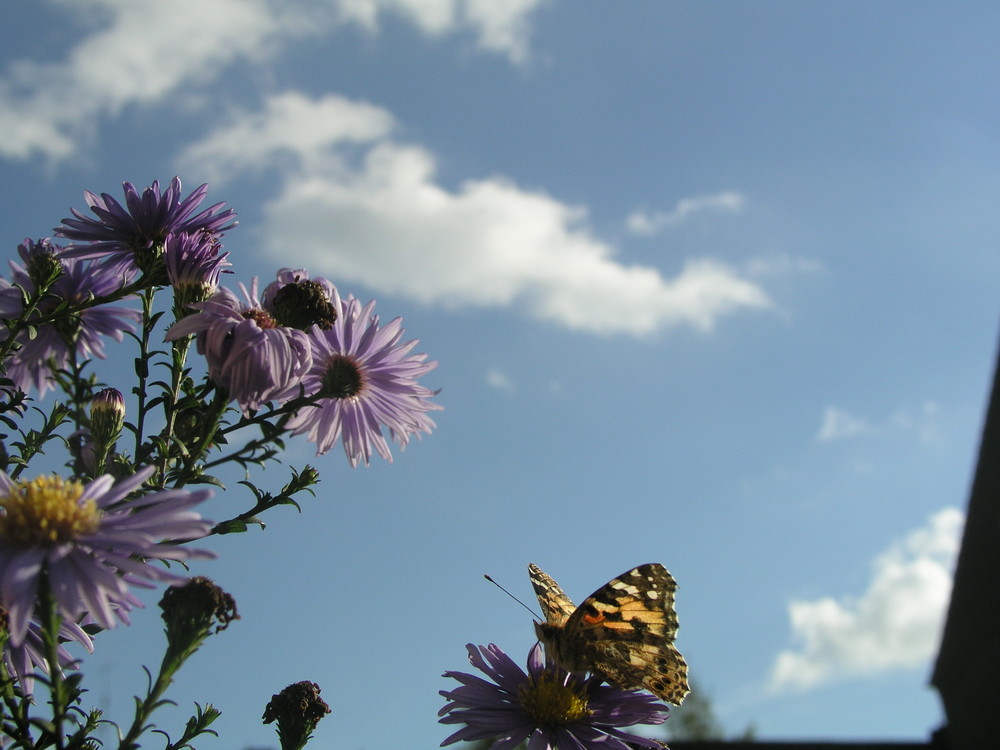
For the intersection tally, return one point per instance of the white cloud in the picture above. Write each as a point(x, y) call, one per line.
point(839, 424)
point(895, 624)
point(643, 222)
point(383, 221)
point(496, 378)
point(291, 126)
point(143, 53)
point(391, 227)
point(500, 26)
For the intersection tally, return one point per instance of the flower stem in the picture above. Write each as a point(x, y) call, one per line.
point(179, 352)
point(210, 428)
point(153, 700)
point(58, 690)
point(142, 369)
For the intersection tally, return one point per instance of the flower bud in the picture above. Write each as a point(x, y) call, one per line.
point(107, 415)
point(41, 262)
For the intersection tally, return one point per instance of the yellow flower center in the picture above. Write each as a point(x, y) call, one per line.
point(551, 703)
point(46, 512)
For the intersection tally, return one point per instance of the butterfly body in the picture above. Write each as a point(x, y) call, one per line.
point(624, 631)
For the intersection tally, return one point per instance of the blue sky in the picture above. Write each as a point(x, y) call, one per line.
point(710, 284)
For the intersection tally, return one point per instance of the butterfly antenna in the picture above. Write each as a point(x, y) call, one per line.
point(533, 614)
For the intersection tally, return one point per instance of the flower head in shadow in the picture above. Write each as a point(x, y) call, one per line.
point(51, 345)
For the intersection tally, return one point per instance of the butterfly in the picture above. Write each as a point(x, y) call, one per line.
point(623, 632)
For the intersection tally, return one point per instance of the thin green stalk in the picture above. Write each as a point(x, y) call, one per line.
point(35, 440)
point(172, 661)
point(210, 428)
point(145, 709)
point(79, 396)
point(179, 351)
point(25, 320)
point(142, 369)
point(283, 413)
point(58, 691)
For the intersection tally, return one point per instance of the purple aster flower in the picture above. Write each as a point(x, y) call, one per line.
point(91, 542)
point(28, 658)
point(248, 354)
point(80, 334)
point(194, 267)
point(132, 236)
point(362, 378)
point(547, 706)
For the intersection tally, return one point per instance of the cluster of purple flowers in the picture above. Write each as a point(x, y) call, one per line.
point(69, 549)
point(154, 234)
point(323, 360)
point(299, 341)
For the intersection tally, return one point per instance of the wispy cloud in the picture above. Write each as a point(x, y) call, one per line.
point(145, 53)
point(839, 424)
point(782, 264)
point(382, 220)
point(895, 624)
point(501, 381)
point(647, 223)
point(921, 422)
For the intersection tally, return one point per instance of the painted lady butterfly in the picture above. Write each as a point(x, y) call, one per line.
point(624, 631)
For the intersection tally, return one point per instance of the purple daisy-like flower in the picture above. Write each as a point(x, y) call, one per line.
point(132, 236)
point(195, 260)
point(81, 333)
point(194, 266)
point(248, 354)
point(362, 378)
point(547, 706)
point(28, 658)
point(91, 543)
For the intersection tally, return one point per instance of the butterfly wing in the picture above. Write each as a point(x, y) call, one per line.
point(625, 631)
point(556, 606)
